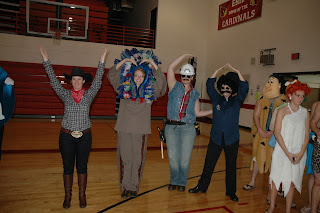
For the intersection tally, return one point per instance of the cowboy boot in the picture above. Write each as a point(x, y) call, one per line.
point(82, 183)
point(68, 181)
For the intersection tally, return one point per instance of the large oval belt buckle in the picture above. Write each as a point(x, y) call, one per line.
point(76, 134)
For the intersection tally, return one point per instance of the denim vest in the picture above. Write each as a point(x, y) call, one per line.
point(174, 102)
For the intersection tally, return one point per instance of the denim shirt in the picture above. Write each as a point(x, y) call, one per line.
point(174, 102)
point(225, 116)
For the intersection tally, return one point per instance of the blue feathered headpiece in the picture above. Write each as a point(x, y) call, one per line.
point(128, 89)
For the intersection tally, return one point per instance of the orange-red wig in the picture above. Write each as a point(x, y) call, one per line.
point(295, 86)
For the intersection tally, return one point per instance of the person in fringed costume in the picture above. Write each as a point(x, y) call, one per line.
point(7, 100)
point(138, 81)
point(272, 97)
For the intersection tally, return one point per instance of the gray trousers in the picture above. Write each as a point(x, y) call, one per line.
point(132, 150)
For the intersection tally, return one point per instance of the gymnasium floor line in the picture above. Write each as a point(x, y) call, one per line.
point(160, 187)
point(41, 151)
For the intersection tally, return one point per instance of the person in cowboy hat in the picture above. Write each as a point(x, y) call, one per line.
point(75, 136)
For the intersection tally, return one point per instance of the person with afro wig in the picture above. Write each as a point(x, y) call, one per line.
point(226, 101)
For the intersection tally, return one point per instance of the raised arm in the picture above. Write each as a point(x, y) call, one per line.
point(96, 84)
point(55, 83)
point(170, 75)
point(44, 54)
point(119, 65)
point(200, 113)
point(149, 61)
point(214, 75)
point(237, 71)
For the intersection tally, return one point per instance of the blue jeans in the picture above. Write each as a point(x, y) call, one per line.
point(180, 140)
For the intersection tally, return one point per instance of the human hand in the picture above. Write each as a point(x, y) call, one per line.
point(146, 60)
point(9, 81)
point(297, 157)
point(232, 68)
point(189, 55)
point(221, 68)
point(44, 53)
point(291, 157)
point(265, 134)
point(103, 54)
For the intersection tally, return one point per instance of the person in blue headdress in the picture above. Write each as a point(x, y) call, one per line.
point(7, 100)
point(138, 81)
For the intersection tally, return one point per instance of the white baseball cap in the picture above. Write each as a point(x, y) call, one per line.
point(187, 69)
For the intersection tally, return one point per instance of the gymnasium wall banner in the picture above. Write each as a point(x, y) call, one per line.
point(234, 12)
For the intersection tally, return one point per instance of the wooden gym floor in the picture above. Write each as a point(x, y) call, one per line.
point(31, 174)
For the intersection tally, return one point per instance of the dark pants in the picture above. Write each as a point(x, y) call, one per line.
point(1, 136)
point(213, 154)
point(75, 149)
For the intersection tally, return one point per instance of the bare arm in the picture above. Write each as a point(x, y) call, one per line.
point(256, 118)
point(214, 75)
point(306, 141)
point(103, 54)
point(277, 132)
point(237, 71)
point(119, 65)
point(44, 54)
point(200, 113)
point(171, 79)
point(315, 119)
point(150, 61)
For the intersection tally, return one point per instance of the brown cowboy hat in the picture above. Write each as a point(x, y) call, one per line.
point(77, 71)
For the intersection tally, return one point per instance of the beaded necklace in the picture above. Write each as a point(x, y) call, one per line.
point(297, 112)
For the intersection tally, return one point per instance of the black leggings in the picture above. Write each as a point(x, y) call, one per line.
point(75, 149)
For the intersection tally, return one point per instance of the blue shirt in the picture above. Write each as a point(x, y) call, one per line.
point(174, 102)
point(225, 116)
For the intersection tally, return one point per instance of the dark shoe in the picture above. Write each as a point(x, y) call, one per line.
point(172, 187)
point(68, 182)
point(233, 197)
point(269, 202)
point(181, 188)
point(133, 194)
point(196, 190)
point(248, 187)
point(82, 183)
point(125, 194)
point(280, 193)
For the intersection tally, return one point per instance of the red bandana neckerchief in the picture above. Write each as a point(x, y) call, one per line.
point(77, 95)
point(184, 103)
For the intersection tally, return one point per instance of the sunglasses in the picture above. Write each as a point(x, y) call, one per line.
point(225, 88)
point(188, 76)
